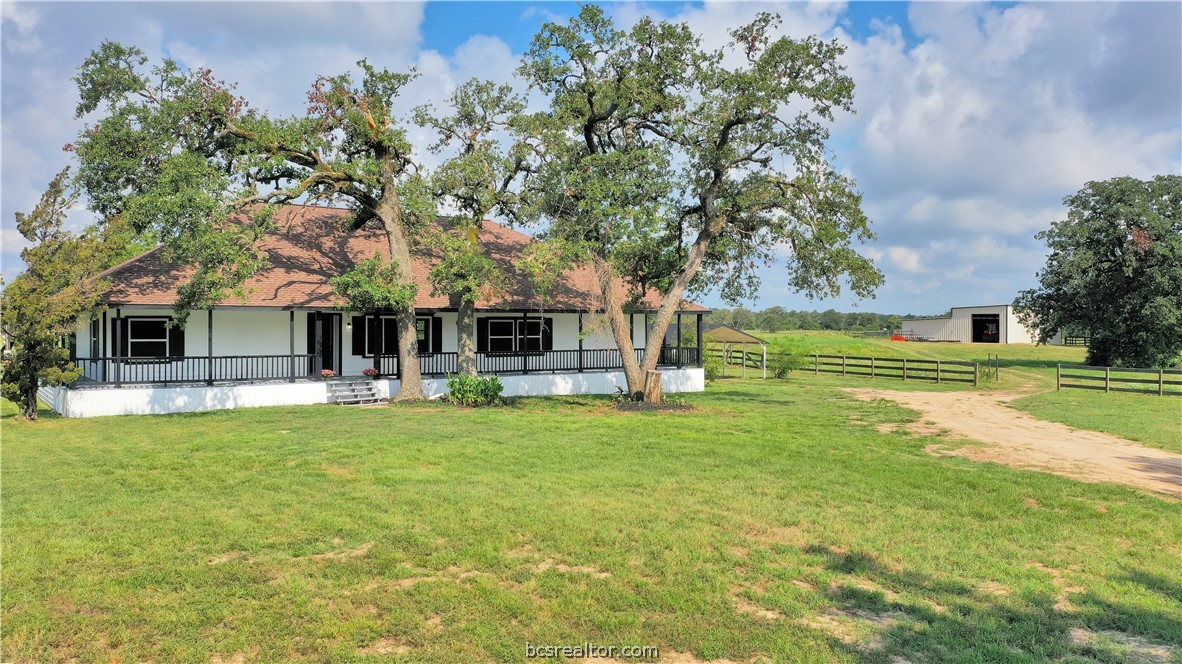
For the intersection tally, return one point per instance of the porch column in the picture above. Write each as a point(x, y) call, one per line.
point(118, 347)
point(580, 342)
point(701, 344)
point(372, 324)
point(291, 345)
point(679, 339)
point(632, 329)
point(104, 343)
point(525, 346)
point(317, 346)
point(209, 346)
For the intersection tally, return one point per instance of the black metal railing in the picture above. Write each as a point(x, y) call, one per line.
point(194, 369)
point(247, 368)
point(550, 361)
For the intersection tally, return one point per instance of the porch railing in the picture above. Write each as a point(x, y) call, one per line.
point(194, 369)
point(550, 361)
point(246, 368)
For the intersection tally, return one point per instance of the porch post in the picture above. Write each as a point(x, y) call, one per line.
point(632, 329)
point(371, 326)
point(291, 345)
point(118, 348)
point(525, 345)
point(580, 342)
point(318, 326)
point(209, 346)
point(679, 339)
point(701, 346)
point(104, 351)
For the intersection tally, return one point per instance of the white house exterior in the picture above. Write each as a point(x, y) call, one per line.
point(271, 348)
point(986, 324)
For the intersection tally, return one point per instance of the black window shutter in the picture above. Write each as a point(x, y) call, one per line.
point(436, 335)
point(95, 349)
point(547, 334)
point(124, 343)
point(359, 335)
point(374, 336)
point(482, 335)
point(311, 332)
point(176, 341)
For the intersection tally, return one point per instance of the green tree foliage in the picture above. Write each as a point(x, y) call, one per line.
point(777, 319)
point(479, 178)
point(57, 289)
point(1114, 269)
point(179, 155)
point(677, 167)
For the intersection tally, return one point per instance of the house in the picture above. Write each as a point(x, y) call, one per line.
point(271, 347)
point(984, 324)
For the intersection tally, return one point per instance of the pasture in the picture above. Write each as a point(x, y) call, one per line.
point(778, 521)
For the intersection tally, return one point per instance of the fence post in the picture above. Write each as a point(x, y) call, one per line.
point(872, 367)
point(1107, 379)
point(904, 368)
point(937, 372)
point(975, 374)
point(816, 364)
point(1161, 382)
point(1058, 377)
point(843, 366)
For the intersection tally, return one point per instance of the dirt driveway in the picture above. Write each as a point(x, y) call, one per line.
point(1019, 440)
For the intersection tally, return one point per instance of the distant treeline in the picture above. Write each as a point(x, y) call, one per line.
point(776, 319)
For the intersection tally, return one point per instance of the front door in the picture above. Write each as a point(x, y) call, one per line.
point(329, 326)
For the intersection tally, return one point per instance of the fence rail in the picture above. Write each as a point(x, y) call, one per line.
point(1076, 341)
point(938, 371)
point(1119, 379)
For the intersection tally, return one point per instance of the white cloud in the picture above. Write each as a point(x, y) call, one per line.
point(19, 24)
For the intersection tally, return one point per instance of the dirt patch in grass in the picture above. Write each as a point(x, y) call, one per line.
point(383, 647)
point(346, 553)
point(1019, 440)
point(236, 658)
point(547, 563)
point(1134, 648)
point(856, 628)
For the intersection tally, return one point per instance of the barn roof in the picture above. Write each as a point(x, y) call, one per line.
point(310, 247)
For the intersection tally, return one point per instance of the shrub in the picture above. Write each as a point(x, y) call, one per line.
point(473, 391)
point(782, 365)
point(713, 367)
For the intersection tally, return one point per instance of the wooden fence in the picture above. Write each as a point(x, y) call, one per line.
point(939, 371)
point(1076, 341)
point(1119, 379)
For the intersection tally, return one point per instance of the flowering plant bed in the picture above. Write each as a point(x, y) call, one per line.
point(371, 372)
point(327, 373)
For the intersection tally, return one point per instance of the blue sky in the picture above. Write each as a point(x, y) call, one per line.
point(973, 120)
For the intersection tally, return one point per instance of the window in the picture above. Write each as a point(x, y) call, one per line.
point(514, 335)
point(502, 336)
point(385, 334)
point(148, 337)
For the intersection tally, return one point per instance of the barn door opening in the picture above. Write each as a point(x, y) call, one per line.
point(987, 328)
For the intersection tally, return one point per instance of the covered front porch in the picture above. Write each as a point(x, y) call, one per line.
point(136, 346)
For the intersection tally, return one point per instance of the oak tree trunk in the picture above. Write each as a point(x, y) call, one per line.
point(635, 371)
point(408, 340)
point(465, 338)
point(31, 401)
point(620, 326)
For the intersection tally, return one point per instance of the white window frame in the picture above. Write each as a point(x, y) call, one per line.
point(132, 339)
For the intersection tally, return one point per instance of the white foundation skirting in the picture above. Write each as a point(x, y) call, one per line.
point(154, 400)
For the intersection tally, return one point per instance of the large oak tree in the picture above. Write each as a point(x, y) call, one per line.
point(178, 154)
point(1115, 272)
point(679, 165)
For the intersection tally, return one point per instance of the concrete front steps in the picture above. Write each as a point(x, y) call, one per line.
point(354, 392)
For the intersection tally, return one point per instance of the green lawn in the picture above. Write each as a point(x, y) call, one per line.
point(767, 523)
point(1152, 420)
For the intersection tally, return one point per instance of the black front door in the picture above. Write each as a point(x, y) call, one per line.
point(326, 328)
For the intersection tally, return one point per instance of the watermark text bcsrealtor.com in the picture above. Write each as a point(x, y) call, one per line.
point(591, 651)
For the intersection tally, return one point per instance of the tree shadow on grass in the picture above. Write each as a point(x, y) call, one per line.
point(916, 617)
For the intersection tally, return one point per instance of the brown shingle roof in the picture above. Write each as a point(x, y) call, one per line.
point(310, 247)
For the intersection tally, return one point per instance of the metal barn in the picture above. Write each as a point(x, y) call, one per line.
point(988, 324)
